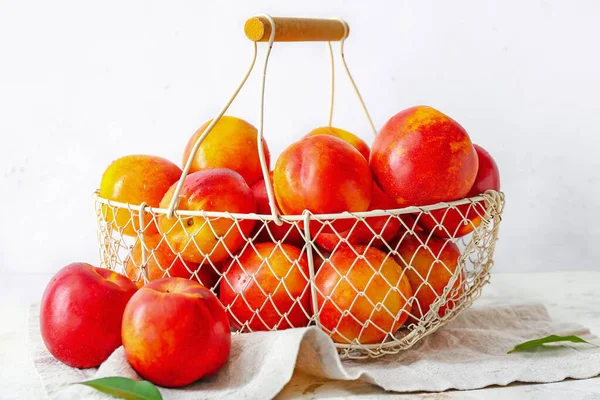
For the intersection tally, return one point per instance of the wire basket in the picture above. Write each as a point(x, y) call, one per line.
point(375, 281)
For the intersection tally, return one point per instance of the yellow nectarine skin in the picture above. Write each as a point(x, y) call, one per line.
point(135, 179)
point(232, 144)
point(382, 309)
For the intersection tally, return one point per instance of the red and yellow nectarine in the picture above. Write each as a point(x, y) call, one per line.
point(462, 220)
point(372, 288)
point(175, 332)
point(322, 174)
point(198, 239)
point(81, 312)
point(429, 270)
point(267, 288)
point(135, 179)
point(422, 156)
point(232, 144)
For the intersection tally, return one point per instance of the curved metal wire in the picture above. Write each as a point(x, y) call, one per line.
point(186, 169)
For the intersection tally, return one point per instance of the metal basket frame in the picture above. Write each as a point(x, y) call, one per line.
point(471, 273)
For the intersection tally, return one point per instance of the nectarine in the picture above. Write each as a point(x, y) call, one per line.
point(267, 288)
point(429, 263)
point(362, 298)
point(322, 174)
point(488, 176)
point(232, 144)
point(422, 156)
point(81, 312)
point(175, 332)
point(200, 239)
point(135, 179)
point(462, 220)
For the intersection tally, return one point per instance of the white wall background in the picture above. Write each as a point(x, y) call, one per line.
point(82, 83)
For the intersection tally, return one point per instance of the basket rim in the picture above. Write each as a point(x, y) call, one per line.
point(306, 214)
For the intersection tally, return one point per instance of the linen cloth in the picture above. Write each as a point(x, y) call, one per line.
point(470, 352)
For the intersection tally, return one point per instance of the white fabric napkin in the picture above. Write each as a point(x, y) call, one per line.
point(468, 353)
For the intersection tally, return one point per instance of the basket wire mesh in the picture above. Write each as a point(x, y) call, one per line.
point(463, 278)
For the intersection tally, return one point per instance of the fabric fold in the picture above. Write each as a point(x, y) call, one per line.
point(468, 353)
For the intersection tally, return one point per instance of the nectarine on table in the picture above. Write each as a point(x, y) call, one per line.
point(135, 179)
point(462, 220)
point(322, 174)
point(362, 298)
point(200, 239)
point(267, 288)
point(81, 312)
point(163, 263)
point(429, 263)
point(422, 157)
point(175, 331)
point(232, 144)
point(349, 137)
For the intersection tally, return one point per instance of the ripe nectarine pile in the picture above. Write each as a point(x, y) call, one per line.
point(374, 256)
point(360, 241)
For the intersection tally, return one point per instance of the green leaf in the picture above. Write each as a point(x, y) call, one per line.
point(125, 388)
point(531, 344)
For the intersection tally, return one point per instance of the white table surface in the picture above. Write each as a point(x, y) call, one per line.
point(569, 296)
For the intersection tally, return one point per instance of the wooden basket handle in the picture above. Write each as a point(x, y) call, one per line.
point(258, 29)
